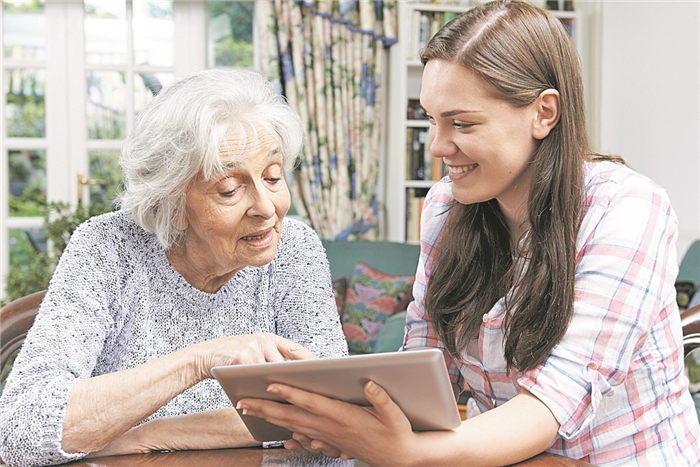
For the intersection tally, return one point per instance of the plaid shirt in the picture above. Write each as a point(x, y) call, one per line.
point(615, 382)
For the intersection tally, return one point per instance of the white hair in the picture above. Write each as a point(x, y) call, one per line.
point(178, 136)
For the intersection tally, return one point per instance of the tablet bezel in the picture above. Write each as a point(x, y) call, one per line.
point(416, 380)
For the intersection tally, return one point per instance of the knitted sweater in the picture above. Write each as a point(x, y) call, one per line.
point(115, 302)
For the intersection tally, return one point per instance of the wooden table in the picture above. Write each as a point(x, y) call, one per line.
point(257, 457)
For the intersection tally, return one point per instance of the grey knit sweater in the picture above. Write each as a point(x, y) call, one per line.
point(115, 302)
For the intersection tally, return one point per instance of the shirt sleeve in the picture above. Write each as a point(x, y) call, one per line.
point(420, 334)
point(61, 347)
point(626, 268)
point(305, 307)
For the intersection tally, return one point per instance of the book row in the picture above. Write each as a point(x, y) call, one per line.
point(420, 164)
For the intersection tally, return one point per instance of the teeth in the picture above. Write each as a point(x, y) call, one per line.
point(255, 237)
point(462, 168)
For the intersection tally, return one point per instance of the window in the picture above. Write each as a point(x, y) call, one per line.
point(24, 150)
point(75, 74)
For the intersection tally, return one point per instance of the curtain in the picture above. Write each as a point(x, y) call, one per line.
point(328, 59)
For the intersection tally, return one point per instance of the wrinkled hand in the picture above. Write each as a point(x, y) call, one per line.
point(253, 348)
point(379, 434)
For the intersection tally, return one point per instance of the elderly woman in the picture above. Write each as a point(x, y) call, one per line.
point(198, 268)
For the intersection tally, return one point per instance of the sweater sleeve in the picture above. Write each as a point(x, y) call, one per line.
point(61, 348)
point(305, 308)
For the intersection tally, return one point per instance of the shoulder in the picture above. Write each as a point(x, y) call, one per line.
point(436, 210)
point(297, 239)
point(621, 202)
point(605, 181)
point(114, 221)
point(439, 195)
point(114, 230)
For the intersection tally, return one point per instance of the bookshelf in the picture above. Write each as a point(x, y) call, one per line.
point(410, 170)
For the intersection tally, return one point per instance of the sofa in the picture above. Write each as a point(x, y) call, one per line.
point(373, 285)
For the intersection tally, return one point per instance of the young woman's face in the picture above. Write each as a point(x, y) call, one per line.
point(235, 219)
point(486, 143)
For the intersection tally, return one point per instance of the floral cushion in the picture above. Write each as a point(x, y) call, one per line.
point(371, 298)
point(340, 287)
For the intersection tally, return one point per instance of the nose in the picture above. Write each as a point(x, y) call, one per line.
point(441, 143)
point(261, 204)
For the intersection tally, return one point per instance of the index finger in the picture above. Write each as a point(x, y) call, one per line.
point(289, 349)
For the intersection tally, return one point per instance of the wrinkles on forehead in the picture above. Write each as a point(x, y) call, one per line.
point(240, 143)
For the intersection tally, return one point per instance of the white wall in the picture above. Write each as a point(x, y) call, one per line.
point(650, 98)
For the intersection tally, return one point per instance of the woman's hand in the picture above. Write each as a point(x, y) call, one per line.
point(134, 394)
point(380, 434)
point(239, 350)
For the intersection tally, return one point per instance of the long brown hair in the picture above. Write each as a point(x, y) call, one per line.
point(519, 51)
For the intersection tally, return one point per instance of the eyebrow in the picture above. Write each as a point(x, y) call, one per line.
point(452, 113)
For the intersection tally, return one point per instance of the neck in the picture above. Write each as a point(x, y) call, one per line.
point(199, 276)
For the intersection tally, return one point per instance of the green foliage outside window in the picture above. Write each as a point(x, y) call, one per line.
point(60, 221)
point(234, 48)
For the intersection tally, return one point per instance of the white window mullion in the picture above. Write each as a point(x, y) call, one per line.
point(129, 72)
point(76, 87)
point(190, 18)
point(57, 103)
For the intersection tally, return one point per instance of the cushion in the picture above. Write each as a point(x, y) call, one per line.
point(390, 336)
point(371, 298)
point(340, 287)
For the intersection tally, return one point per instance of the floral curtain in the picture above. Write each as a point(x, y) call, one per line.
point(328, 58)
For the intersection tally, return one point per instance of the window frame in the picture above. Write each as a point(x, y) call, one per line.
point(66, 140)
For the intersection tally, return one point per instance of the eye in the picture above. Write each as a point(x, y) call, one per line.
point(273, 174)
point(462, 126)
point(230, 193)
point(229, 187)
point(428, 117)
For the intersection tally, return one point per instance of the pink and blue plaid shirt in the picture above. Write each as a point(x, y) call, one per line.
point(615, 382)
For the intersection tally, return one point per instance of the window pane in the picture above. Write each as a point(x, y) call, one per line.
point(153, 32)
point(24, 26)
point(147, 85)
point(105, 32)
point(24, 244)
point(104, 167)
point(27, 169)
point(230, 40)
point(25, 111)
point(106, 102)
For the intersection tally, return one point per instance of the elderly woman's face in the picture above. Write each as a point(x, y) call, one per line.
point(235, 219)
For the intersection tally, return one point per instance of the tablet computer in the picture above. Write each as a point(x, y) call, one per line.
point(416, 380)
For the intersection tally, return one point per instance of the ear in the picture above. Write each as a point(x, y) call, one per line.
point(547, 113)
point(180, 221)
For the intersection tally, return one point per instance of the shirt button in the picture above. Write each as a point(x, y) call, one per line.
point(486, 318)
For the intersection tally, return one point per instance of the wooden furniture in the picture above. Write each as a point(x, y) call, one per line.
point(690, 321)
point(15, 320)
point(254, 457)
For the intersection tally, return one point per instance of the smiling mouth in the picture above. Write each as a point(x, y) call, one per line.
point(462, 168)
point(257, 236)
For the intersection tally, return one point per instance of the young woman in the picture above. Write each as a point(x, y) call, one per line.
point(546, 275)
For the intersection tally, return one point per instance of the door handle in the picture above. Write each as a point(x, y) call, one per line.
point(82, 181)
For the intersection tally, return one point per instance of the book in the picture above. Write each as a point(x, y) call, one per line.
point(415, 197)
point(438, 170)
point(418, 154)
point(414, 111)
